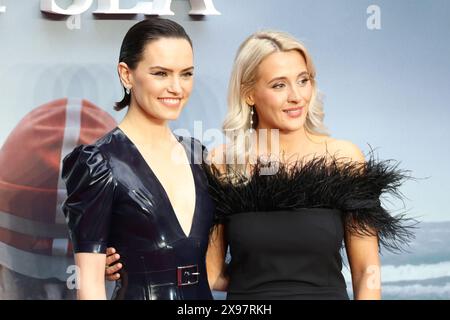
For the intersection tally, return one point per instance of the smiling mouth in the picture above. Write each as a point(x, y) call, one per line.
point(170, 102)
point(293, 112)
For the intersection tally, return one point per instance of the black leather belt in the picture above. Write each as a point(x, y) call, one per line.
point(159, 267)
point(181, 276)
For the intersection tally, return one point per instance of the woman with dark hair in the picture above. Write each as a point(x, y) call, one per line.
point(140, 188)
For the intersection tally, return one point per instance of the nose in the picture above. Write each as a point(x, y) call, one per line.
point(175, 86)
point(294, 95)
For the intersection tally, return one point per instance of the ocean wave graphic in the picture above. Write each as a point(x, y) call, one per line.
point(408, 272)
point(416, 291)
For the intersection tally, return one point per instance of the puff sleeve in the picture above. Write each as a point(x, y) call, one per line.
point(90, 193)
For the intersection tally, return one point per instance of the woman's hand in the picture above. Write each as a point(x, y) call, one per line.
point(112, 267)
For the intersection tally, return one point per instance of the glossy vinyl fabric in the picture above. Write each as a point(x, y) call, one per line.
point(114, 199)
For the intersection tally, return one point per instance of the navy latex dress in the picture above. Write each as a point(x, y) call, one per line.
point(114, 199)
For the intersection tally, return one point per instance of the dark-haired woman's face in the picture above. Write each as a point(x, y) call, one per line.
point(163, 80)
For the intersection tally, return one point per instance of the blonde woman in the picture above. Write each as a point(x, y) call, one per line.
point(285, 227)
point(287, 194)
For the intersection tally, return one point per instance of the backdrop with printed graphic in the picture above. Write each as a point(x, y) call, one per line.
point(382, 66)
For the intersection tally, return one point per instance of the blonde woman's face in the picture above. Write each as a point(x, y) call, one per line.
point(282, 91)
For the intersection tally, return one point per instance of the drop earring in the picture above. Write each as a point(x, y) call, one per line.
point(252, 112)
point(127, 90)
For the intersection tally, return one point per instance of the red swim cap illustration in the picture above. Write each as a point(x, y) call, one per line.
point(33, 232)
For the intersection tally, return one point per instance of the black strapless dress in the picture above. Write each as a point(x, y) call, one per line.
point(114, 199)
point(285, 229)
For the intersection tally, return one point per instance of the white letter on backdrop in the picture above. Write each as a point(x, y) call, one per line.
point(2, 7)
point(203, 8)
point(76, 8)
point(112, 7)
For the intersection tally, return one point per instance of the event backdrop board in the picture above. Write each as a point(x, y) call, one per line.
point(382, 66)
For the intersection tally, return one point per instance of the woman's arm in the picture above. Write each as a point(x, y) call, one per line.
point(215, 260)
point(362, 253)
point(91, 276)
point(362, 250)
point(217, 247)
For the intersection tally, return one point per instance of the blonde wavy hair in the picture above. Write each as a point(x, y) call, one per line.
point(243, 77)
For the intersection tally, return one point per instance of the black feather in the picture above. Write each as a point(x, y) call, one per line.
point(323, 182)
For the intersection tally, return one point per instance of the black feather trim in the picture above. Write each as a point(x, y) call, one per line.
point(323, 182)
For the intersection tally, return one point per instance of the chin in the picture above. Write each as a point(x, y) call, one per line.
point(171, 114)
point(288, 130)
point(173, 118)
point(292, 127)
point(170, 117)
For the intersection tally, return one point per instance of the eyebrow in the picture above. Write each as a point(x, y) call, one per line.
point(169, 70)
point(282, 78)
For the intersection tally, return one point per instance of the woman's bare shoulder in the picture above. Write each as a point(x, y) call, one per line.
point(344, 149)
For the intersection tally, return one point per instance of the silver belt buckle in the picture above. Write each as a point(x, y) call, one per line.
point(187, 275)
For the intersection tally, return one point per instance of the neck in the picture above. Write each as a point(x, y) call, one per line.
point(293, 142)
point(143, 129)
point(285, 145)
